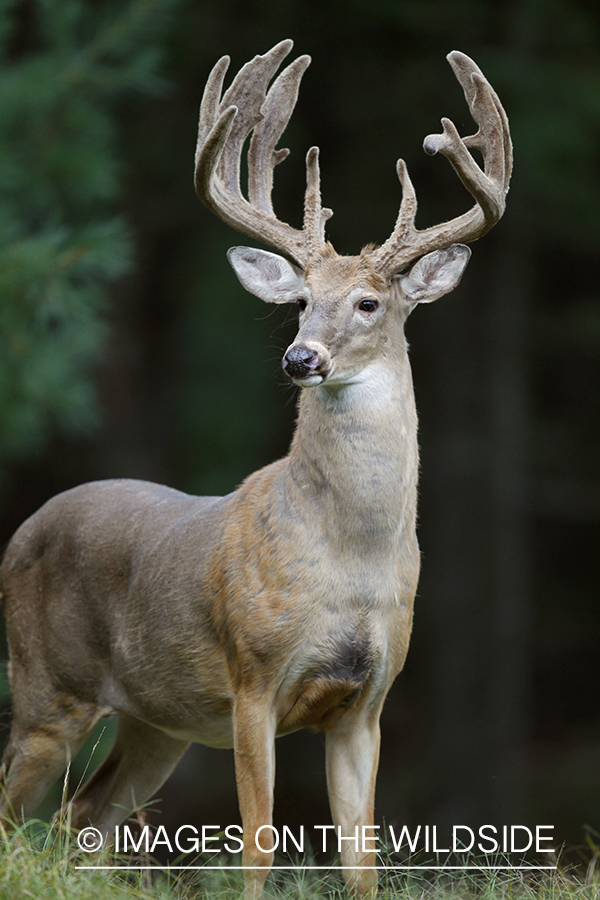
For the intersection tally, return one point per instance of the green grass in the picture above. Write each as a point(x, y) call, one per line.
point(39, 861)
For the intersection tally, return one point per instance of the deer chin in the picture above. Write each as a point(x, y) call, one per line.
point(311, 380)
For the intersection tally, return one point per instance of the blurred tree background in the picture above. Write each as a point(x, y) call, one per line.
point(127, 348)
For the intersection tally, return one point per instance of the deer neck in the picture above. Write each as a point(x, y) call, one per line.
point(354, 456)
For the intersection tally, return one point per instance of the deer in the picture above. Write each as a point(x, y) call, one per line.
point(288, 603)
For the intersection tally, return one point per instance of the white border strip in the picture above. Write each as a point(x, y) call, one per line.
point(330, 868)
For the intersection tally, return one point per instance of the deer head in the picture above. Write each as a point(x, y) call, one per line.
point(343, 301)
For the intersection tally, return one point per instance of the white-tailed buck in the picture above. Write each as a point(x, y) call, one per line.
point(288, 603)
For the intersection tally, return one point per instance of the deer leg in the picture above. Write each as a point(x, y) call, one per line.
point(38, 753)
point(254, 747)
point(352, 750)
point(141, 760)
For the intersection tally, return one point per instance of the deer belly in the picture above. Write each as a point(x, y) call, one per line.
point(186, 701)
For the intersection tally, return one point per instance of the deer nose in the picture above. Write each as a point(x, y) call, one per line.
point(299, 361)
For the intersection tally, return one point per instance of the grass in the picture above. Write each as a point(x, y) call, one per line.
point(40, 861)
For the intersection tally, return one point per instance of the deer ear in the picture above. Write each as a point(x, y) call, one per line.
point(267, 275)
point(435, 274)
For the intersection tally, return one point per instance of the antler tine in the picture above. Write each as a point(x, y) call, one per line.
point(488, 186)
point(262, 156)
point(209, 107)
point(485, 104)
point(314, 214)
point(247, 92)
point(224, 127)
point(276, 111)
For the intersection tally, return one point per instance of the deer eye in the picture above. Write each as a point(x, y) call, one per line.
point(368, 306)
point(301, 302)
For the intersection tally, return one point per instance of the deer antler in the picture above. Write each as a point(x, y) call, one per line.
point(246, 107)
point(489, 186)
point(223, 128)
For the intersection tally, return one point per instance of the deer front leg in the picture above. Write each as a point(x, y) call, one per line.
point(352, 750)
point(254, 748)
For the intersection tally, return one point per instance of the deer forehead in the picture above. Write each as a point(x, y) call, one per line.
point(337, 277)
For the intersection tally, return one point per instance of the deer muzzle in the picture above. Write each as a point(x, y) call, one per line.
point(306, 364)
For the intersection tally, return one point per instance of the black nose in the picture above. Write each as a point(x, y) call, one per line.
point(299, 361)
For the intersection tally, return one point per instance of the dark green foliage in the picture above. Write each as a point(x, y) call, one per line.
point(66, 66)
